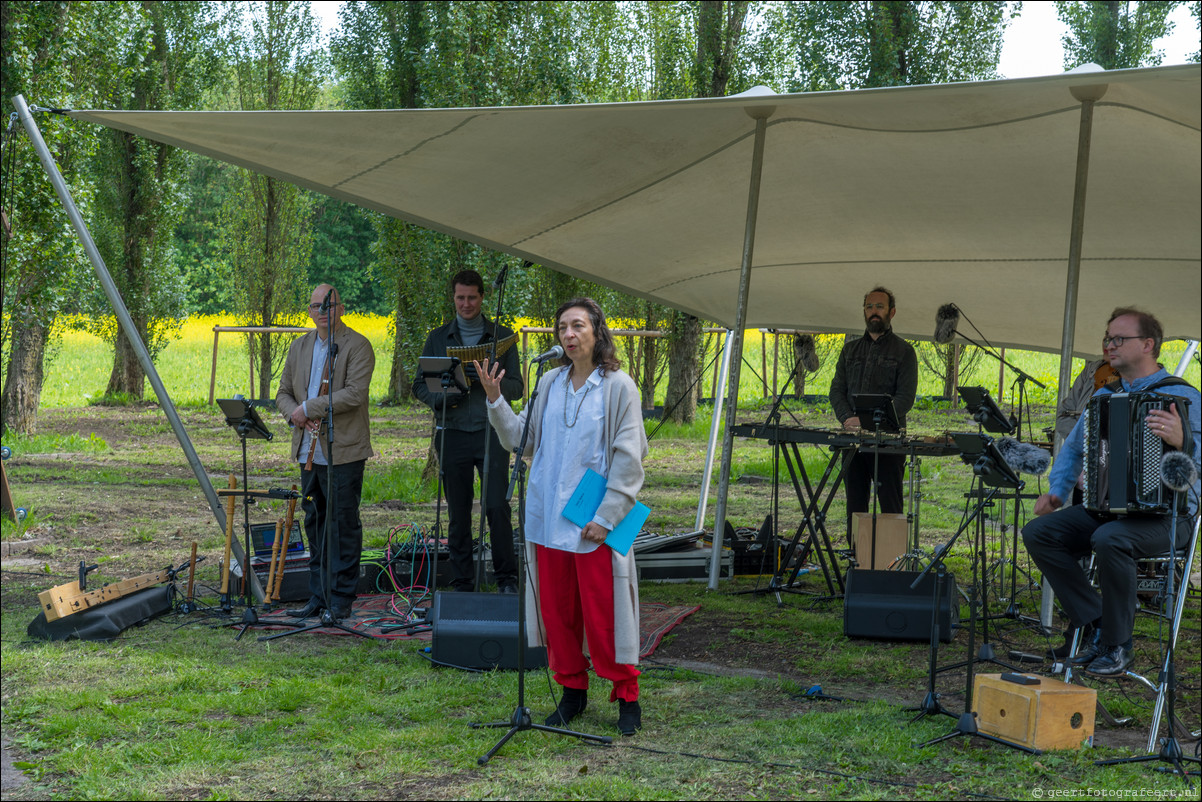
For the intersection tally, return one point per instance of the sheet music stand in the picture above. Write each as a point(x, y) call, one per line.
point(240, 415)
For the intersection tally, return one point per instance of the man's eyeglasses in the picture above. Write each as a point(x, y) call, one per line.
point(878, 307)
point(1117, 340)
point(317, 307)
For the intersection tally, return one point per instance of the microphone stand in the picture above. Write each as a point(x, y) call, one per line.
point(1170, 749)
point(987, 471)
point(1023, 378)
point(520, 719)
point(499, 285)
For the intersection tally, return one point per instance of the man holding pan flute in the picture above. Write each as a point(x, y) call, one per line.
point(467, 429)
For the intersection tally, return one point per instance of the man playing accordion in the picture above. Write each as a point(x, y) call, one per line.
point(1057, 539)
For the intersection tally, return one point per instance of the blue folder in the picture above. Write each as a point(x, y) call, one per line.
point(585, 501)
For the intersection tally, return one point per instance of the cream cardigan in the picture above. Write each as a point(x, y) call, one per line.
point(626, 441)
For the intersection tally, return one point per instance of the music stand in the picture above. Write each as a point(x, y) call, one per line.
point(878, 415)
point(985, 411)
point(990, 417)
point(876, 412)
point(441, 373)
point(240, 415)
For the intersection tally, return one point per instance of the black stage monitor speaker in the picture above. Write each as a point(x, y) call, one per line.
point(880, 604)
point(479, 630)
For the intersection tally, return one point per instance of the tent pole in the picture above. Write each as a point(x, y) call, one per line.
point(760, 114)
point(127, 326)
point(715, 424)
point(1088, 96)
point(1190, 347)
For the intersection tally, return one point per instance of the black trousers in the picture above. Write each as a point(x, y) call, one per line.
point(463, 459)
point(1057, 542)
point(857, 481)
point(346, 530)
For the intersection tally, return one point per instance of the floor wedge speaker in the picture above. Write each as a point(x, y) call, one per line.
point(479, 631)
point(881, 604)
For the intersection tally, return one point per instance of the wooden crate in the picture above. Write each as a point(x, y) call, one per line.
point(1050, 715)
point(892, 539)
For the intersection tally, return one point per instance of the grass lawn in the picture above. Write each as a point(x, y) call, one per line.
point(177, 709)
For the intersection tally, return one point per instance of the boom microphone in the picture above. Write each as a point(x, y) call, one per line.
point(946, 321)
point(1024, 457)
point(554, 352)
point(805, 352)
point(1178, 471)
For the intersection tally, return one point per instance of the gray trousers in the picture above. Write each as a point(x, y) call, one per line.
point(1057, 542)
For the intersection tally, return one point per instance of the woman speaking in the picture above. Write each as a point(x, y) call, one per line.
point(586, 415)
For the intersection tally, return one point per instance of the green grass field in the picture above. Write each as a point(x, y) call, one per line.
point(178, 709)
point(81, 363)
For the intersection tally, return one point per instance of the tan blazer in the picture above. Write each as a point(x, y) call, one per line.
point(349, 393)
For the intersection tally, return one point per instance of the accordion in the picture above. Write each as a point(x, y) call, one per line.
point(1122, 456)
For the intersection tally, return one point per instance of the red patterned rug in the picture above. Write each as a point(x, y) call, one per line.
point(385, 615)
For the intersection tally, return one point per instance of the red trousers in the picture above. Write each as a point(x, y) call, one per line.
point(576, 598)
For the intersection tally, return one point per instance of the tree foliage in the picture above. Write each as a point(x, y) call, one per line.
point(164, 61)
point(853, 45)
point(1114, 35)
point(266, 232)
point(45, 269)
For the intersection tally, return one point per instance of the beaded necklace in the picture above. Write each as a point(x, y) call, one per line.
point(567, 380)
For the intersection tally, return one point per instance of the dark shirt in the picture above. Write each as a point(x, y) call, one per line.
point(469, 414)
point(885, 365)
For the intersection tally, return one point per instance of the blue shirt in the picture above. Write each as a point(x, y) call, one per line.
point(1072, 454)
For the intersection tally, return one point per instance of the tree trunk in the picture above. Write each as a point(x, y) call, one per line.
point(266, 372)
point(23, 384)
point(127, 377)
point(650, 360)
point(684, 360)
point(399, 383)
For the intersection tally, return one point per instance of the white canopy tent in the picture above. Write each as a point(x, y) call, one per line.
point(970, 193)
point(952, 193)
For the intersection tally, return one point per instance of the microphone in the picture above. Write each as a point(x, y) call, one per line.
point(1178, 471)
point(946, 321)
point(554, 352)
point(1024, 457)
point(805, 352)
point(326, 302)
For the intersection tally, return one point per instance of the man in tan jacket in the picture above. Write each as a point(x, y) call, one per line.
point(317, 377)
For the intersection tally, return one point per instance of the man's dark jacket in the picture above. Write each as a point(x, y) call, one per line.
point(885, 365)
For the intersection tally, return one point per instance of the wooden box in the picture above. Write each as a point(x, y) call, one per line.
point(892, 539)
point(1049, 715)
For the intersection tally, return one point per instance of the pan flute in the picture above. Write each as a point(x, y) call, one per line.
point(480, 352)
point(1122, 456)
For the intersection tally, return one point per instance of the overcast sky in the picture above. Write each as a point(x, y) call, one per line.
point(1032, 45)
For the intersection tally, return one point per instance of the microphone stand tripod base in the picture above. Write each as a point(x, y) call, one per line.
point(521, 721)
point(966, 724)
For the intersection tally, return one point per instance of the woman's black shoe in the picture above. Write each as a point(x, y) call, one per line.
point(571, 705)
point(630, 717)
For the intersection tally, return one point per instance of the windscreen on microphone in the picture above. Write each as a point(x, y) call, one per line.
point(1024, 457)
point(805, 352)
point(1178, 471)
point(946, 321)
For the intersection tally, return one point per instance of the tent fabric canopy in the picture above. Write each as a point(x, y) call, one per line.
point(952, 193)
